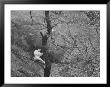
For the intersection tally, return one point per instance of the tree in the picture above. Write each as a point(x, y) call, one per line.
point(44, 43)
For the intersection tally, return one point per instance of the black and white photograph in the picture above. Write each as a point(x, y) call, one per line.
point(55, 43)
point(52, 43)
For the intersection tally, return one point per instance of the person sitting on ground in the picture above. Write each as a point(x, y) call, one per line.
point(37, 55)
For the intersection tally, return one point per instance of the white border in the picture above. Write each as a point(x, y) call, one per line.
point(65, 80)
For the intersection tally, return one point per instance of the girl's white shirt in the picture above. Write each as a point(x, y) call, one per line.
point(37, 55)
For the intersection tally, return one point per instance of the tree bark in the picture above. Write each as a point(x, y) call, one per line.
point(47, 19)
point(44, 43)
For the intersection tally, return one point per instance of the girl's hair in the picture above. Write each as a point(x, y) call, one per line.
point(42, 49)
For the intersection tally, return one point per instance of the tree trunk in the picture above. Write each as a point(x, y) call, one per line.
point(44, 43)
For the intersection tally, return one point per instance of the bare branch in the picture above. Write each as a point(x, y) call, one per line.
point(31, 17)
